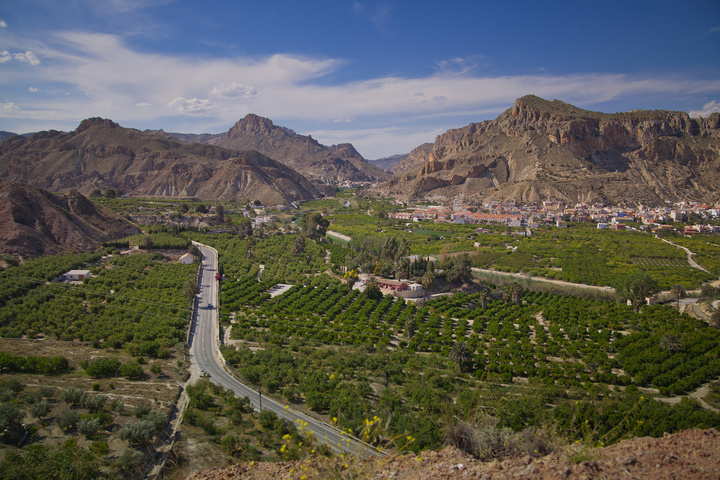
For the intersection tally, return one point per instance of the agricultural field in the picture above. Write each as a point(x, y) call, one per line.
point(344, 355)
point(93, 368)
point(578, 254)
point(557, 366)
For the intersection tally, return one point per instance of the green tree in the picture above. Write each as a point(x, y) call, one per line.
point(483, 296)
point(40, 409)
point(678, 291)
point(672, 343)
point(410, 326)
point(428, 280)
point(460, 353)
point(195, 252)
point(220, 213)
point(515, 291)
point(190, 289)
point(636, 288)
point(314, 225)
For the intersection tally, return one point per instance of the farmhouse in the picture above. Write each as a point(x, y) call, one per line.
point(187, 259)
point(77, 275)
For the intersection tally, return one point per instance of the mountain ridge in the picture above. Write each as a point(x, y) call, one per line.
point(540, 149)
point(331, 165)
point(99, 153)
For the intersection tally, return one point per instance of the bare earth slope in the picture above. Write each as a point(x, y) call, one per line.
point(36, 222)
point(331, 165)
point(687, 455)
point(102, 154)
point(540, 150)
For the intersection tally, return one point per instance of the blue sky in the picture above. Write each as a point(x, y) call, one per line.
point(386, 76)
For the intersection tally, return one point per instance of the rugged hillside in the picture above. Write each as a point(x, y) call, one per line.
point(540, 149)
point(101, 154)
point(689, 454)
point(36, 222)
point(331, 165)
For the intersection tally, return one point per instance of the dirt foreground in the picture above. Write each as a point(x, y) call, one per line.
point(690, 454)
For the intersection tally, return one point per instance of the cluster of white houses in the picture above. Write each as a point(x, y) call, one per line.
point(558, 214)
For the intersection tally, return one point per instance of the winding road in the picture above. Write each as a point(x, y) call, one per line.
point(204, 354)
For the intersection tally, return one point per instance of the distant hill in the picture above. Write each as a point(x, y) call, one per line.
point(35, 222)
point(101, 154)
point(331, 165)
point(541, 149)
point(4, 135)
point(387, 163)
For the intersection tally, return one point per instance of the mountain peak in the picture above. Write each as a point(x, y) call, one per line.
point(251, 124)
point(95, 121)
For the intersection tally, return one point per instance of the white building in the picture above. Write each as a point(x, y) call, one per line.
point(77, 275)
point(187, 259)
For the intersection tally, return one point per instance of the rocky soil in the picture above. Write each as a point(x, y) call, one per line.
point(690, 454)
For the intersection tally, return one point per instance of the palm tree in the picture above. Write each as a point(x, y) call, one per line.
point(410, 326)
point(483, 298)
point(190, 289)
point(515, 290)
point(672, 343)
point(461, 354)
point(428, 280)
point(678, 291)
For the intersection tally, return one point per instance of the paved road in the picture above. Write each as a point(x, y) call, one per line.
point(204, 353)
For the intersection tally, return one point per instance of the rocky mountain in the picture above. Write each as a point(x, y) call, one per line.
point(331, 165)
point(35, 222)
point(541, 149)
point(101, 154)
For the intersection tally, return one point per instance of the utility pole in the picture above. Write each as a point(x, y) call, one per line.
point(260, 395)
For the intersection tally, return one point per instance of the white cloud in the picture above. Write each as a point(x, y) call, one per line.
point(27, 57)
point(194, 107)
point(8, 107)
point(460, 65)
point(234, 90)
point(714, 30)
point(146, 90)
point(708, 108)
point(3, 24)
point(32, 89)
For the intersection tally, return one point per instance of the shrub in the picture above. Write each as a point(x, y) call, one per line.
point(40, 409)
point(88, 426)
point(68, 419)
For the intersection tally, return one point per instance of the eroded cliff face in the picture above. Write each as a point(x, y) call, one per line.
point(35, 222)
point(539, 149)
